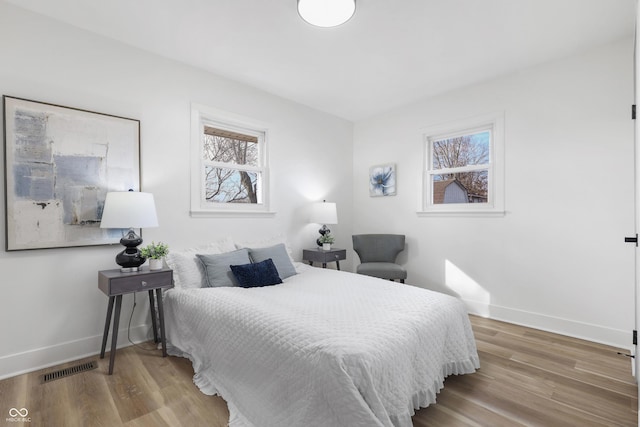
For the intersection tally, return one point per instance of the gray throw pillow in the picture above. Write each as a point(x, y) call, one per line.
point(218, 267)
point(278, 254)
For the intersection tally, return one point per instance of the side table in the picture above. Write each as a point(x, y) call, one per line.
point(115, 283)
point(320, 255)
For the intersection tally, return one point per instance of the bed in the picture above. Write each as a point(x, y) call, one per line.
point(323, 348)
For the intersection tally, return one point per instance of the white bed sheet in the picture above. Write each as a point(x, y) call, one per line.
point(325, 348)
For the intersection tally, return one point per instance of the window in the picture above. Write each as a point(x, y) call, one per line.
point(229, 173)
point(464, 167)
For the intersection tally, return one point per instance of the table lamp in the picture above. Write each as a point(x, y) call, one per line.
point(323, 213)
point(129, 210)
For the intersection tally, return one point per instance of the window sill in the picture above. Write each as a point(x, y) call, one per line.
point(230, 214)
point(467, 214)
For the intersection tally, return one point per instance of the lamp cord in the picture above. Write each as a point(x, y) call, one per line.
point(129, 328)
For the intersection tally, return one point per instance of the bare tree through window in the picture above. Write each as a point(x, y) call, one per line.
point(464, 160)
point(232, 166)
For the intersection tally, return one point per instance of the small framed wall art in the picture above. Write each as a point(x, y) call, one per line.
point(382, 180)
point(60, 162)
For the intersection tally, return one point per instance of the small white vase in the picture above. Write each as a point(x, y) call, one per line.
point(155, 264)
point(326, 246)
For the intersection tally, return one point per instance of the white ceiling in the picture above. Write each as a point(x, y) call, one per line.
point(391, 53)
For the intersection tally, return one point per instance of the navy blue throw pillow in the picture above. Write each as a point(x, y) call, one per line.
point(262, 273)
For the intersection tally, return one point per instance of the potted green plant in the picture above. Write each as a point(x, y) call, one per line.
point(326, 240)
point(155, 253)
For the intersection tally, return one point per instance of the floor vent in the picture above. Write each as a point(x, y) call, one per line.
point(67, 372)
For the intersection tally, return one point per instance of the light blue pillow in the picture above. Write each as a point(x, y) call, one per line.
point(280, 257)
point(217, 267)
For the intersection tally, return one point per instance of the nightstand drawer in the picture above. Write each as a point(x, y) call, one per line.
point(319, 255)
point(135, 282)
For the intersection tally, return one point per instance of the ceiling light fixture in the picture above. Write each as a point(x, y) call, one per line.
point(326, 13)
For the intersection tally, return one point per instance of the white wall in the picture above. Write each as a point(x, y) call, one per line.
point(557, 259)
point(51, 307)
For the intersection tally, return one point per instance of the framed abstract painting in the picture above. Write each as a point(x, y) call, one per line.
point(60, 162)
point(382, 180)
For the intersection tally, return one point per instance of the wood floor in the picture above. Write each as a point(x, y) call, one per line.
point(535, 378)
point(527, 377)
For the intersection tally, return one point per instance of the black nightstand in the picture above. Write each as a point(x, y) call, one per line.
point(320, 255)
point(115, 283)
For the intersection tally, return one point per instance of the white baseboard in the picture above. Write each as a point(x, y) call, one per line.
point(44, 357)
point(586, 331)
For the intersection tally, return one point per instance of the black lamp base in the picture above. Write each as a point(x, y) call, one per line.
point(324, 230)
point(130, 259)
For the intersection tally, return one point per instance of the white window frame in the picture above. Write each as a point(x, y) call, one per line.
point(202, 115)
point(493, 122)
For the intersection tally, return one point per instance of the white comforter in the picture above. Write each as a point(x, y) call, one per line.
point(325, 348)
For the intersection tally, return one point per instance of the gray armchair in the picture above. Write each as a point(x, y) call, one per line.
point(378, 253)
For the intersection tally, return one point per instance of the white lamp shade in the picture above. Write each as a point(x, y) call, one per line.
point(129, 209)
point(324, 213)
point(326, 13)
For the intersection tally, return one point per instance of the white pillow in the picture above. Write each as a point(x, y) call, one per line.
point(188, 272)
point(267, 242)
